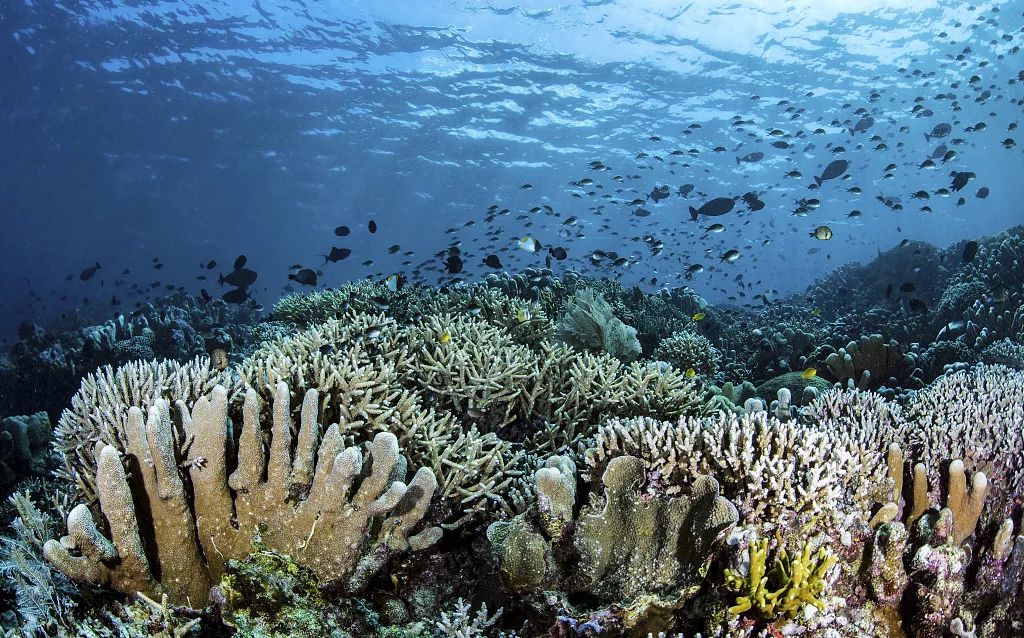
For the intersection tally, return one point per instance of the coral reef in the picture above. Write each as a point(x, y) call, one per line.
point(570, 470)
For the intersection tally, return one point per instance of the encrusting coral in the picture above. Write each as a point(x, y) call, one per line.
point(341, 512)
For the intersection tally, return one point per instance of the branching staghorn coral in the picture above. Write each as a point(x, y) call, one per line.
point(335, 510)
point(771, 469)
point(642, 553)
point(99, 410)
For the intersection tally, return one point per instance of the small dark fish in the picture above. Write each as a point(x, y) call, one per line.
point(558, 253)
point(960, 179)
point(342, 231)
point(210, 265)
point(750, 158)
point(238, 295)
point(327, 349)
point(908, 287)
point(492, 261)
point(306, 277)
point(970, 250)
point(864, 124)
point(917, 305)
point(372, 226)
point(240, 262)
point(240, 278)
point(659, 193)
point(205, 296)
point(453, 265)
point(394, 249)
point(88, 273)
point(714, 208)
point(685, 190)
point(337, 254)
point(526, 186)
point(833, 170)
point(982, 192)
point(940, 130)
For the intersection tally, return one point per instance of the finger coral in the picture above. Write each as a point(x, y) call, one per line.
point(645, 553)
point(341, 512)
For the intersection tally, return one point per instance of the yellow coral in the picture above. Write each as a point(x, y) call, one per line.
point(793, 582)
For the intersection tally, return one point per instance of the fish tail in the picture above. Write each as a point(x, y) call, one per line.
point(927, 137)
point(693, 214)
point(220, 280)
point(326, 259)
point(737, 160)
point(817, 180)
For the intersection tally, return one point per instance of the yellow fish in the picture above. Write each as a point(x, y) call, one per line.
point(816, 312)
point(445, 337)
point(529, 244)
point(392, 283)
point(523, 315)
point(822, 232)
point(809, 373)
point(697, 316)
point(690, 373)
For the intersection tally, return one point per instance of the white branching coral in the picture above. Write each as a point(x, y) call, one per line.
point(973, 415)
point(769, 468)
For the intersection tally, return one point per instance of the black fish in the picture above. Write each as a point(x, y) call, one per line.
point(940, 130)
point(305, 277)
point(205, 295)
point(833, 170)
point(714, 208)
point(908, 287)
point(960, 179)
point(453, 265)
point(970, 250)
point(342, 231)
point(238, 295)
point(337, 254)
point(659, 193)
point(239, 278)
point(372, 226)
point(87, 274)
point(750, 158)
point(210, 265)
point(917, 305)
point(558, 253)
point(982, 192)
point(492, 261)
point(684, 191)
point(394, 249)
point(239, 262)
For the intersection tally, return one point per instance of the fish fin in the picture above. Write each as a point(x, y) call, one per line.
point(693, 214)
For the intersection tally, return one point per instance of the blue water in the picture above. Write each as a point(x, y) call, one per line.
point(197, 131)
